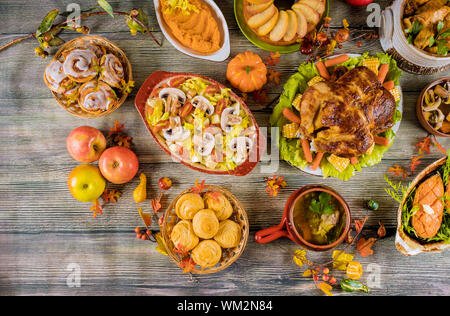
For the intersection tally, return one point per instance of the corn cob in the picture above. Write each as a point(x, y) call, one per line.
point(396, 93)
point(338, 162)
point(291, 130)
point(315, 80)
point(372, 64)
point(296, 102)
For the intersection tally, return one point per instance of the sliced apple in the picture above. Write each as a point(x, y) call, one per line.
point(268, 26)
point(318, 5)
point(280, 28)
point(258, 8)
point(302, 24)
point(311, 15)
point(258, 1)
point(292, 26)
point(261, 18)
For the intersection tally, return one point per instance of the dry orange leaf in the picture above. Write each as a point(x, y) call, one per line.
point(326, 288)
point(424, 145)
point(364, 246)
point(96, 208)
point(198, 187)
point(146, 218)
point(273, 59)
point(118, 128)
point(415, 161)
point(274, 76)
point(359, 224)
point(381, 230)
point(156, 203)
point(187, 264)
point(111, 195)
point(398, 171)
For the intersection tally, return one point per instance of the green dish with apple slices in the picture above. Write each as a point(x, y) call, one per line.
point(255, 40)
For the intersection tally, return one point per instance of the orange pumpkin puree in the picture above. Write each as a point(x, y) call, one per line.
point(196, 29)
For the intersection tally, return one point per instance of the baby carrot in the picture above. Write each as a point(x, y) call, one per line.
point(317, 161)
point(336, 60)
point(382, 72)
point(383, 141)
point(322, 70)
point(354, 160)
point(291, 116)
point(306, 150)
point(389, 85)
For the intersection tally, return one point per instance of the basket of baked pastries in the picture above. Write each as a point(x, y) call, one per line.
point(89, 76)
point(209, 229)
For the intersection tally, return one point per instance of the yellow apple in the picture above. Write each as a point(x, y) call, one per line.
point(86, 183)
point(259, 19)
point(280, 28)
point(292, 26)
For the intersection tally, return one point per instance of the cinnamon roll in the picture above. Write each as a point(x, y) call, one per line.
point(205, 224)
point(55, 77)
point(80, 64)
point(219, 203)
point(183, 235)
point(207, 253)
point(96, 96)
point(229, 234)
point(188, 205)
point(112, 70)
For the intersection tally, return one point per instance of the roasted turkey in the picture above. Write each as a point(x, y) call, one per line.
point(342, 115)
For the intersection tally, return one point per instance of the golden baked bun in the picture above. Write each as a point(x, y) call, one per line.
point(96, 96)
point(112, 70)
point(80, 64)
point(229, 234)
point(207, 253)
point(219, 203)
point(188, 205)
point(55, 78)
point(205, 224)
point(183, 236)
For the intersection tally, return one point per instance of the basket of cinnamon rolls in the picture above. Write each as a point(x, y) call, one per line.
point(209, 229)
point(89, 76)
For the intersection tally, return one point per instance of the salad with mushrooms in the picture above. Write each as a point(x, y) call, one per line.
point(436, 107)
point(201, 123)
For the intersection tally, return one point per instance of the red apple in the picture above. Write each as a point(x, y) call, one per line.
point(359, 3)
point(118, 164)
point(86, 144)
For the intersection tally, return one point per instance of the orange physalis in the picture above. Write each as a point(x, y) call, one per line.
point(156, 203)
point(273, 59)
point(398, 171)
point(187, 264)
point(364, 246)
point(118, 128)
point(146, 218)
point(111, 196)
point(275, 184)
point(381, 230)
point(96, 208)
point(198, 187)
point(415, 161)
point(359, 224)
point(424, 145)
point(274, 76)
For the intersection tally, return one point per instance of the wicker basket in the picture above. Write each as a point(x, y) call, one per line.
point(110, 47)
point(228, 255)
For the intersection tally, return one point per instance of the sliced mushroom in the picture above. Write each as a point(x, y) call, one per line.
point(441, 91)
point(241, 145)
point(230, 117)
point(204, 145)
point(173, 98)
point(202, 103)
point(176, 132)
point(435, 118)
point(432, 101)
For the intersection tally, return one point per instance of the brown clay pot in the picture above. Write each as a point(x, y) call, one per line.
point(287, 226)
point(419, 110)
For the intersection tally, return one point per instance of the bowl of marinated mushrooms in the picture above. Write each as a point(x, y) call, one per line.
point(433, 107)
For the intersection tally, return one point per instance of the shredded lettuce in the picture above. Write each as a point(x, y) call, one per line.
point(185, 6)
point(290, 150)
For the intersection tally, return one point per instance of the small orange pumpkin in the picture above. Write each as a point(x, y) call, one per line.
point(247, 72)
point(354, 270)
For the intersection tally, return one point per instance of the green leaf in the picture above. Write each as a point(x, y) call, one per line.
point(136, 26)
point(432, 41)
point(47, 22)
point(442, 49)
point(415, 28)
point(56, 41)
point(440, 26)
point(106, 6)
point(445, 34)
point(323, 205)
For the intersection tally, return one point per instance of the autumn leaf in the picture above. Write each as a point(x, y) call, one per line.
point(181, 250)
point(274, 76)
point(415, 161)
point(341, 259)
point(349, 238)
point(198, 187)
point(326, 288)
point(424, 145)
point(364, 246)
point(307, 273)
point(260, 96)
point(300, 257)
point(398, 171)
point(187, 264)
point(273, 59)
point(161, 220)
point(106, 6)
point(439, 147)
point(111, 195)
point(118, 128)
point(161, 247)
point(275, 184)
point(214, 195)
point(146, 218)
point(381, 230)
point(96, 208)
point(123, 140)
point(156, 203)
point(359, 224)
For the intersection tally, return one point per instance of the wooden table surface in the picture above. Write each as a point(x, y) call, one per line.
point(43, 230)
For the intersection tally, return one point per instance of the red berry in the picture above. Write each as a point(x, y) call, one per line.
point(316, 277)
point(137, 230)
point(138, 235)
point(148, 232)
point(326, 270)
point(333, 280)
point(165, 183)
point(325, 277)
point(144, 237)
